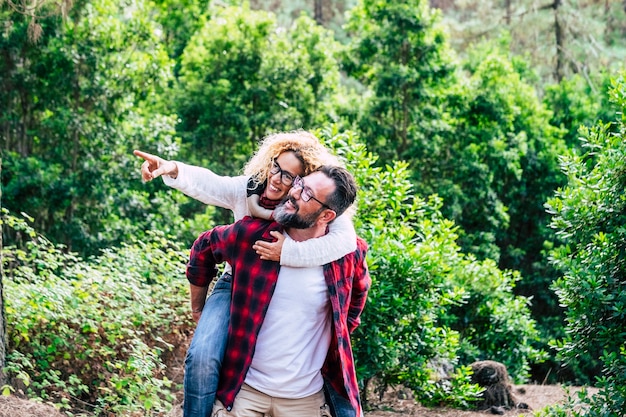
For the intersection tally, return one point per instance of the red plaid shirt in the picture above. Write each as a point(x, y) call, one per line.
point(254, 281)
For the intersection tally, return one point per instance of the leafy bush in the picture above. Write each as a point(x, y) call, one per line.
point(92, 333)
point(417, 325)
point(400, 336)
point(492, 322)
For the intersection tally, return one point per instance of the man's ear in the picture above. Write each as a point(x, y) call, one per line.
point(328, 216)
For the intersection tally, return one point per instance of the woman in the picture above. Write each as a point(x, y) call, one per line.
point(267, 178)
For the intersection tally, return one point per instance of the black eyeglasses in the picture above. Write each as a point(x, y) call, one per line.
point(305, 192)
point(285, 177)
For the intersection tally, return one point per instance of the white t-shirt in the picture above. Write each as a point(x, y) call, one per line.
point(294, 338)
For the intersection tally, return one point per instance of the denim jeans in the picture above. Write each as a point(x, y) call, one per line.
point(339, 406)
point(205, 354)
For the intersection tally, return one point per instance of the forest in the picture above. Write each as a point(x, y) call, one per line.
point(487, 139)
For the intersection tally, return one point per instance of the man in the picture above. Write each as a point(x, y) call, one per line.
point(289, 331)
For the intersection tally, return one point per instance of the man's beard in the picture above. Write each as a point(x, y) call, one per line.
point(294, 219)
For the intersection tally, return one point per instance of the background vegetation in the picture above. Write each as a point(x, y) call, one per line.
point(487, 139)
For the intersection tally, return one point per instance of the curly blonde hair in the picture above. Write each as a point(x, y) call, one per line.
point(306, 147)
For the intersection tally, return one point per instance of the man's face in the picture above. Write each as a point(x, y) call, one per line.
point(300, 214)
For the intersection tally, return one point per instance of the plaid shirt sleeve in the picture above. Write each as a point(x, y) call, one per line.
point(349, 282)
point(209, 250)
point(360, 286)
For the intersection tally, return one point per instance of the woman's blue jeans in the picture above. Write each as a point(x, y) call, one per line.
point(339, 406)
point(205, 354)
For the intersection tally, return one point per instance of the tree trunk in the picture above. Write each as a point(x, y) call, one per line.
point(560, 42)
point(508, 12)
point(317, 13)
point(2, 321)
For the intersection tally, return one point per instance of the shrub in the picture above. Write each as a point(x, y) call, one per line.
point(425, 291)
point(91, 334)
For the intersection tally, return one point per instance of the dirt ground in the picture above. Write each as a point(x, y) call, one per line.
point(536, 396)
point(395, 403)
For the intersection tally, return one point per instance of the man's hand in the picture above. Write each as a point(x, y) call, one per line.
point(270, 251)
point(154, 166)
point(196, 315)
point(197, 298)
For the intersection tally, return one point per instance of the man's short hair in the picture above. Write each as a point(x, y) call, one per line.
point(345, 188)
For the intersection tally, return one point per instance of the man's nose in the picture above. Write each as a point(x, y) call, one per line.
point(296, 191)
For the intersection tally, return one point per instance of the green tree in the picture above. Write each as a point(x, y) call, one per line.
point(243, 77)
point(503, 159)
point(497, 168)
point(399, 51)
point(180, 19)
point(578, 101)
point(73, 106)
point(491, 155)
point(498, 163)
point(34, 33)
point(589, 216)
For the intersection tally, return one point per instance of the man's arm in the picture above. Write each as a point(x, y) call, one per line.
point(360, 286)
point(209, 250)
point(201, 268)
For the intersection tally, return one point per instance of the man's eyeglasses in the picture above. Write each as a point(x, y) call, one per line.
point(285, 177)
point(305, 192)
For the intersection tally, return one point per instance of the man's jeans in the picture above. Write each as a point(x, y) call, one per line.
point(205, 354)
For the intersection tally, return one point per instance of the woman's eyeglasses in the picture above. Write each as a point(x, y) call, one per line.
point(285, 177)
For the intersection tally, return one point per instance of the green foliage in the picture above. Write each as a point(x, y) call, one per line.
point(492, 322)
point(455, 392)
point(431, 308)
point(576, 102)
point(398, 50)
point(73, 107)
point(589, 216)
point(180, 19)
point(93, 334)
point(480, 138)
point(502, 159)
point(495, 168)
point(242, 77)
